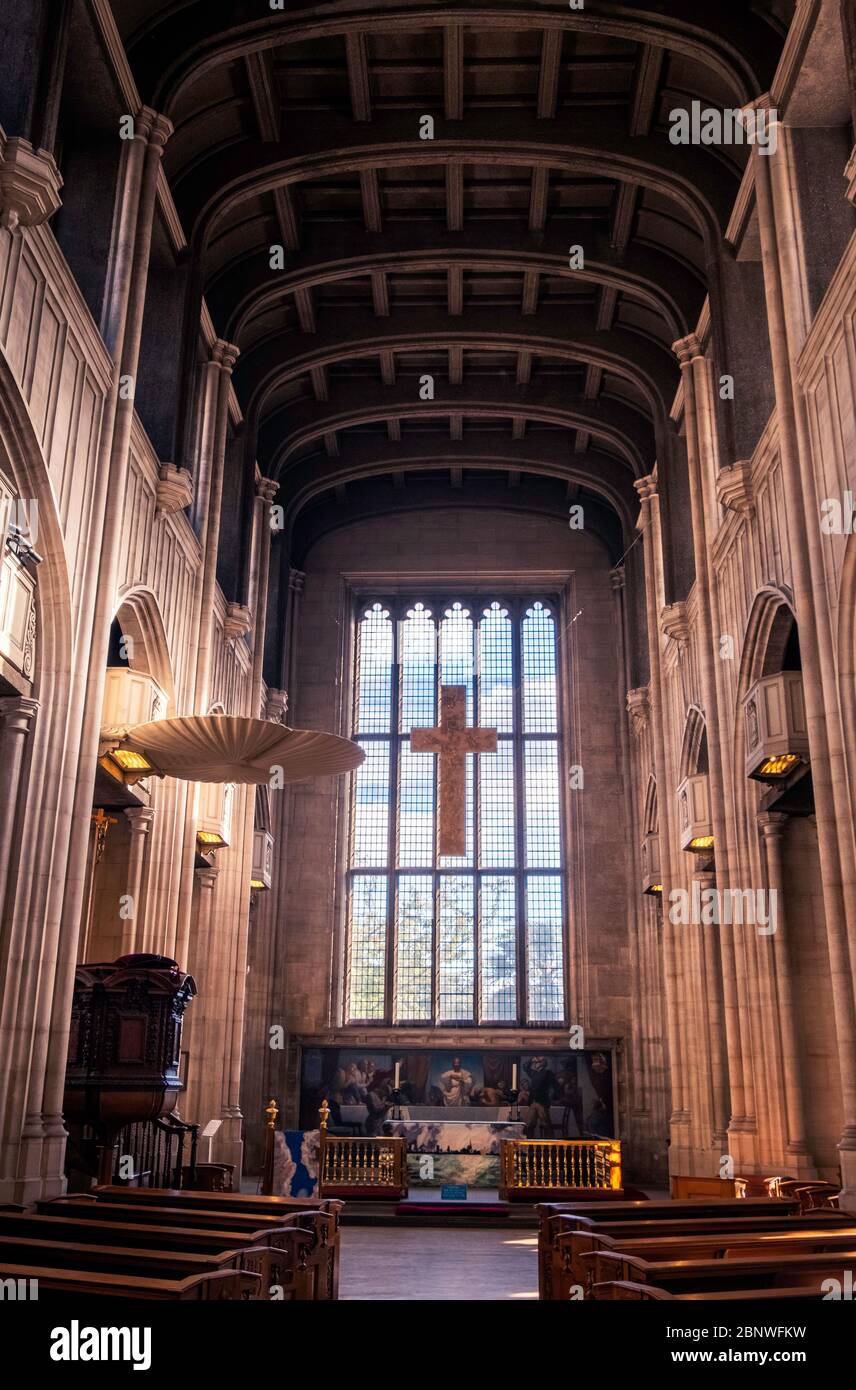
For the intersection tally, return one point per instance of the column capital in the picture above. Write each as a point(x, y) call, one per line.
point(734, 486)
point(687, 349)
point(17, 713)
point(639, 709)
point(207, 876)
point(224, 355)
point(30, 182)
point(674, 623)
point(850, 176)
point(772, 824)
point(646, 487)
point(151, 127)
point(140, 819)
point(296, 580)
point(276, 705)
point(617, 578)
point(266, 489)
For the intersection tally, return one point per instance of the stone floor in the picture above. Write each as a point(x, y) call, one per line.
point(419, 1264)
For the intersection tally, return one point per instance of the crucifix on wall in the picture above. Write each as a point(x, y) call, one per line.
point(451, 741)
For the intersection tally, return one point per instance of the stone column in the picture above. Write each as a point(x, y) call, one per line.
point(828, 771)
point(16, 717)
point(296, 581)
point(224, 356)
point(140, 820)
point(647, 489)
point(266, 490)
point(54, 1014)
point(203, 1079)
point(772, 825)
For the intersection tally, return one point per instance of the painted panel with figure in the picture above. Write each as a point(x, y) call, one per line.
point(559, 1094)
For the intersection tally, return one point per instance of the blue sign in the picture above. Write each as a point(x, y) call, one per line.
point(452, 1192)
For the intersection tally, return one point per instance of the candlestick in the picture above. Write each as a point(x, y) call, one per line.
point(514, 1076)
point(397, 1075)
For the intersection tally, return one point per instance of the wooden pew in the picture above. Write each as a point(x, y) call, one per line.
point(556, 1216)
point(243, 1203)
point(217, 1285)
point(273, 1266)
point(318, 1254)
point(626, 1289)
point(709, 1276)
point(729, 1241)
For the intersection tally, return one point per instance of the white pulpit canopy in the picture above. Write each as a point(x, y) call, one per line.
point(233, 748)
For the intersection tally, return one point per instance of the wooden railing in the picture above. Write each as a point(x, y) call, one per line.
point(370, 1167)
point(163, 1151)
point(538, 1166)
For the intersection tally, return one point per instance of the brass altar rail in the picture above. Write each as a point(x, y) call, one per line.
point(559, 1165)
point(372, 1166)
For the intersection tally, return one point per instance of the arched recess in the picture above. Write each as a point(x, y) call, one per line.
point(650, 811)
point(140, 618)
point(33, 874)
point(846, 645)
point(694, 745)
point(777, 850)
point(263, 820)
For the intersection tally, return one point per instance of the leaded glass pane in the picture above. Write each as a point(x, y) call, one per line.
point(418, 662)
point(370, 845)
point(414, 921)
point(544, 960)
point(543, 834)
point(539, 671)
point(496, 670)
point(374, 670)
point(460, 933)
point(415, 809)
point(456, 953)
point(497, 950)
point(456, 651)
point(367, 973)
point(496, 808)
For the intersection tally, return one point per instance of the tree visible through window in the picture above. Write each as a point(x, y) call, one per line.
point(480, 938)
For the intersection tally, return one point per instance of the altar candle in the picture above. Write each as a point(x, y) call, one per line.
point(397, 1074)
point(514, 1076)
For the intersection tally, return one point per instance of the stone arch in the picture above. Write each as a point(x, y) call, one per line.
point(140, 618)
point(694, 745)
point(651, 811)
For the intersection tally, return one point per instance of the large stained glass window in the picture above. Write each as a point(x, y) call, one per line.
point(477, 938)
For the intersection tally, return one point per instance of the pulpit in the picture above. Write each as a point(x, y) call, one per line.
point(124, 1048)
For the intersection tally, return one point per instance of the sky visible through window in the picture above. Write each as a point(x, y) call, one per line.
point(477, 938)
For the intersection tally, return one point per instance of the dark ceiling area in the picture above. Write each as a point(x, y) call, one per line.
point(428, 330)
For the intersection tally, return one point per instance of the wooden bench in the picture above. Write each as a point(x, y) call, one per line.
point(709, 1276)
point(217, 1285)
point(289, 1258)
point(626, 1289)
point(730, 1241)
point(326, 1233)
point(556, 1216)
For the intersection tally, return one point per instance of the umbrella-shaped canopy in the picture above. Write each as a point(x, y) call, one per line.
point(232, 748)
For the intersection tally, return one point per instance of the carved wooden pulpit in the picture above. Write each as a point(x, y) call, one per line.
point(125, 1045)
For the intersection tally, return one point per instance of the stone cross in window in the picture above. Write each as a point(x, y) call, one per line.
point(451, 741)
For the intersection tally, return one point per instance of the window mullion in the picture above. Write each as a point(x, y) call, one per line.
point(392, 834)
point(519, 808)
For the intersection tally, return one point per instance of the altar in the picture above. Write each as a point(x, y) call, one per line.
point(458, 1152)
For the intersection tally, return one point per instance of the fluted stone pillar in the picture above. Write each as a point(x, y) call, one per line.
point(224, 357)
point(831, 799)
point(772, 825)
point(140, 820)
point(16, 718)
point(54, 1009)
point(647, 524)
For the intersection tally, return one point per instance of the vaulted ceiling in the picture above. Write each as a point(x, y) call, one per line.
point(448, 257)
